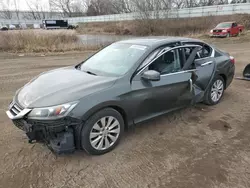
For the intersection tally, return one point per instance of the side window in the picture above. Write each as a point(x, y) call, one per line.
point(148, 59)
point(155, 53)
point(169, 62)
point(205, 51)
point(234, 24)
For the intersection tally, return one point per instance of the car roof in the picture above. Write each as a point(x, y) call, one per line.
point(155, 41)
point(228, 22)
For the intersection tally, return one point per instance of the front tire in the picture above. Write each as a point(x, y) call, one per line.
point(215, 91)
point(239, 34)
point(102, 132)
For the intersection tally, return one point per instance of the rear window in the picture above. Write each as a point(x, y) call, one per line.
point(206, 51)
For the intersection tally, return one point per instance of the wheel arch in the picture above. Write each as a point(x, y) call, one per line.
point(224, 78)
point(92, 111)
point(112, 105)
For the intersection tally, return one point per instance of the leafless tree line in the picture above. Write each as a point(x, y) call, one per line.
point(104, 7)
point(6, 12)
point(73, 8)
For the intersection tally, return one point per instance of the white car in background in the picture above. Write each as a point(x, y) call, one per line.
point(36, 26)
point(23, 26)
point(12, 27)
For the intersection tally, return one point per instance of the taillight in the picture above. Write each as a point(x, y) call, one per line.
point(232, 59)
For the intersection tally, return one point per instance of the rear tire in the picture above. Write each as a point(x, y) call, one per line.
point(215, 91)
point(102, 131)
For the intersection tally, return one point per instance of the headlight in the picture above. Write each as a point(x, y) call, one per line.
point(53, 112)
point(224, 30)
point(211, 31)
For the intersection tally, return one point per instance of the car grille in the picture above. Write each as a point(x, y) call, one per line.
point(50, 125)
point(19, 123)
point(217, 30)
point(15, 108)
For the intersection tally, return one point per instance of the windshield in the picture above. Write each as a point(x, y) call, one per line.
point(114, 60)
point(224, 25)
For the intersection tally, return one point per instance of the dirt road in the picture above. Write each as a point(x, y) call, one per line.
point(197, 147)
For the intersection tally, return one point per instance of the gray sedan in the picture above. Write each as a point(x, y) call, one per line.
point(88, 106)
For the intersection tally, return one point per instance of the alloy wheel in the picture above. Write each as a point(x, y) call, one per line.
point(217, 90)
point(105, 133)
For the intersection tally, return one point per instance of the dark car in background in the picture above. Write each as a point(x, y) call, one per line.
point(227, 29)
point(58, 24)
point(55, 24)
point(3, 27)
point(88, 106)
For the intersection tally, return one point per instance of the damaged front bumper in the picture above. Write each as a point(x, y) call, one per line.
point(59, 135)
point(222, 34)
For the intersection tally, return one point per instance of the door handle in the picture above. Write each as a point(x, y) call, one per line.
point(207, 63)
point(191, 85)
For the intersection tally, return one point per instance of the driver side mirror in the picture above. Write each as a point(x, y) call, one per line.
point(151, 75)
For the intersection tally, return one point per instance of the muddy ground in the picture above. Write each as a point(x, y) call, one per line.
point(197, 147)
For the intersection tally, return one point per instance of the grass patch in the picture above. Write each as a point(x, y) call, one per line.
point(41, 41)
point(174, 27)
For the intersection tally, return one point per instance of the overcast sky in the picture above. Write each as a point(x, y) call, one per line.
point(23, 4)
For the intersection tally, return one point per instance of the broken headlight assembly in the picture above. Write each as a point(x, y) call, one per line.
point(53, 112)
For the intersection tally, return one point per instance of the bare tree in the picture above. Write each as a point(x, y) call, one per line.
point(16, 6)
point(178, 4)
point(36, 10)
point(69, 8)
point(122, 6)
point(101, 7)
point(5, 12)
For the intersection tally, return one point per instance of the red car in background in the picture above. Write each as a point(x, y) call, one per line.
point(227, 29)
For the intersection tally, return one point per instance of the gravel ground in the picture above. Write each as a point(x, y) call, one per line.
point(199, 146)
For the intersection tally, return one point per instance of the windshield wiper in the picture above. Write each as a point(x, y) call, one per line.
point(91, 73)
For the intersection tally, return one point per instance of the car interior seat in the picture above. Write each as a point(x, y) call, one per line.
point(164, 64)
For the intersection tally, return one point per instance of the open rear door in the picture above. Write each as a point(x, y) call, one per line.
point(205, 70)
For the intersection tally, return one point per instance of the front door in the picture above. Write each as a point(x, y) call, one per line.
point(172, 91)
point(234, 29)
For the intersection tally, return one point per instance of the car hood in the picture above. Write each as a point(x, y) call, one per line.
point(60, 86)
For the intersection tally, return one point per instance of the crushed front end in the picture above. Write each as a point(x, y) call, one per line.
point(58, 134)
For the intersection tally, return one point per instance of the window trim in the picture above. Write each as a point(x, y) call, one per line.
point(160, 54)
point(179, 72)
